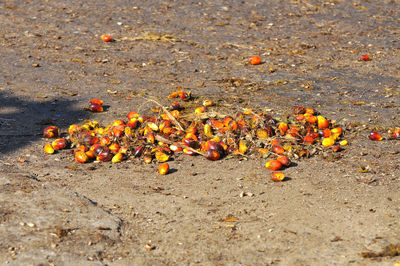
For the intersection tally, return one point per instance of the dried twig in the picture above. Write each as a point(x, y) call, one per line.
point(173, 120)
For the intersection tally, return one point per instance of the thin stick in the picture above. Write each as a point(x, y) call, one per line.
point(162, 139)
point(169, 114)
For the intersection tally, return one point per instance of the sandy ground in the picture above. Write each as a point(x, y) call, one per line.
point(54, 211)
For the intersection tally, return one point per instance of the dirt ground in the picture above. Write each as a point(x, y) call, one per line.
point(54, 211)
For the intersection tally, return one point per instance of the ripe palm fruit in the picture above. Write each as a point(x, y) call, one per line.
point(106, 38)
point(114, 147)
point(208, 131)
point(255, 60)
point(242, 147)
point(322, 122)
point(105, 141)
point(48, 148)
point(97, 148)
point(175, 148)
point(308, 139)
point(96, 108)
point(213, 155)
point(327, 132)
point(396, 133)
point(81, 157)
point(278, 149)
point(310, 111)
point(273, 165)
point(312, 119)
point(327, 142)
point(336, 131)
point(51, 132)
point(117, 158)
point(282, 127)
point(104, 156)
point(278, 176)
point(164, 124)
point(138, 151)
point(189, 152)
point(375, 136)
point(59, 144)
point(284, 160)
point(185, 96)
point(200, 110)
point(150, 138)
point(161, 157)
point(133, 123)
point(163, 169)
point(73, 128)
point(89, 140)
point(132, 114)
point(216, 146)
point(262, 134)
point(96, 101)
point(208, 103)
point(91, 154)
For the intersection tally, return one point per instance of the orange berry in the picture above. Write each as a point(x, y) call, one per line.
point(322, 122)
point(81, 157)
point(273, 165)
point(48, 148)
point(114, 148)
point(278, 176)
point(106, 38)
point(163, 169)
point(255, 60)
point(59, 144)
point(327, 142)
point(278, 149)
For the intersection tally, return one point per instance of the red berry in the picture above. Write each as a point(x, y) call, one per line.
point(375, 136)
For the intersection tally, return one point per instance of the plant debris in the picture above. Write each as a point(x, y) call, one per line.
point(391, 250)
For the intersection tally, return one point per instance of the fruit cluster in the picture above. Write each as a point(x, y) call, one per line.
point(193, 132)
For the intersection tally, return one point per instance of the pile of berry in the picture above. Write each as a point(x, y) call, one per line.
point(179, 128)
